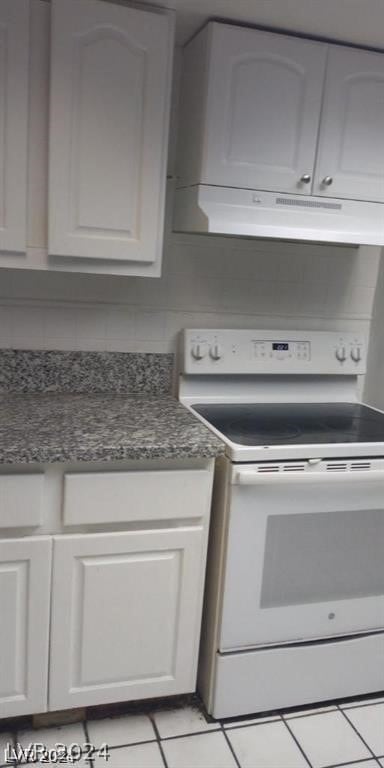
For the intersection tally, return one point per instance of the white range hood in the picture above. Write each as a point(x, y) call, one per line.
point(250, 213)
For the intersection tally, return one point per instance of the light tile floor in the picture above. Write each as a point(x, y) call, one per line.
point(349, 734)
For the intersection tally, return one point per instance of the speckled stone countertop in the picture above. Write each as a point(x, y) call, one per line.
point(28, 371)
point(48, 428)
point(90, 406)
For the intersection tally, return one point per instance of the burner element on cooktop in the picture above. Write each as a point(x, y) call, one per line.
point(294, 423)
point(262, 433)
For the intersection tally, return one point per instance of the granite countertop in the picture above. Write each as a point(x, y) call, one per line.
point(52, 427)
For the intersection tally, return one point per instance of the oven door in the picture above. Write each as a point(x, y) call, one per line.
point(305, 555)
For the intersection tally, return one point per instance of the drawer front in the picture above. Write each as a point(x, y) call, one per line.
point(21, 500)
point(118, 497)
point(292, 676)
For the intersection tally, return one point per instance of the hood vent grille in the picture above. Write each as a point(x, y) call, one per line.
point(308, 203)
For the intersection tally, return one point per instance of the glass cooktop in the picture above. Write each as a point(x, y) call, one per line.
point(294, 423)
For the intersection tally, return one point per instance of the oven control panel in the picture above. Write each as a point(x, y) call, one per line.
point(283, 350)
point(265, 352)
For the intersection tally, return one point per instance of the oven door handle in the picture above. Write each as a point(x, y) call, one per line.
point(250, 477)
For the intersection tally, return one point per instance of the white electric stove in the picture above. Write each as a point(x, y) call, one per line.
point(295, 586)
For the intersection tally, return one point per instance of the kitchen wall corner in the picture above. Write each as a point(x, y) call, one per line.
point(374, 389)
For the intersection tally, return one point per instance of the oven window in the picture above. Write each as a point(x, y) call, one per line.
point(314, 558)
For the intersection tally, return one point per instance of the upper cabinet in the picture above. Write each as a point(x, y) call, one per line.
point(350, 159)
point(14, 66)
point(270, 112)
point(279, 136)
point(110, 82)
point(84, 112)
point(262, 108)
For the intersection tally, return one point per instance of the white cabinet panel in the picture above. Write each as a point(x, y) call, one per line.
point(14, 62)
point(117, 497)
point(21, 500)
point(351, 143)
point(25, 571)
point(131, 603)
point(108, 130)
point(263, 103)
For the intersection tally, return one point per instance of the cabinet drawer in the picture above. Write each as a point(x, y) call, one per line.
point(117, 497)
point(21, 500)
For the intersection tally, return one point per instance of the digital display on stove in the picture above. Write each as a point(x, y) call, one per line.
point(280, 346)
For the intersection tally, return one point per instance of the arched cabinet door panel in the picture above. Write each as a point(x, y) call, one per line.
point(132, 602)
point(14, 67)
point(25, 581)
point(263, 107)
point(351, 146)
point(108, 130)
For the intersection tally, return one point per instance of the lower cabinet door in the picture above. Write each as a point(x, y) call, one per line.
point(125, 615)
point(25, 580)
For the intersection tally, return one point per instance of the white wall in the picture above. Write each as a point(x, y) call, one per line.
point(206, 282)
point(374, 380)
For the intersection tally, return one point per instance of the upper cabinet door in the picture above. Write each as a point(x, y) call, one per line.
point(14, 63)
point(263, 104)
point(351, 147)
point(110, 85)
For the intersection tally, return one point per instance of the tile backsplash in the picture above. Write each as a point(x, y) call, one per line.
point(207, 282)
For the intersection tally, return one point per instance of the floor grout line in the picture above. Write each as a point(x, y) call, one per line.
point(358, 734)
point(350, 762)
point(371, 703)
point(310, 714)
point(296, 741)
point(194, 733)
point(231, 747)
point(251, 724)
point(132, 744)
point(158, 738)
point(85, 729)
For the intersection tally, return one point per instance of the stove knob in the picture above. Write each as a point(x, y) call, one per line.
point(198, 351)
point(341, 354)
point(216, 352)
point(356, 354)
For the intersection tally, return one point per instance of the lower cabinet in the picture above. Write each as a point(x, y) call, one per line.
point(25, 580)
point(90, 616)
point(125, 615)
